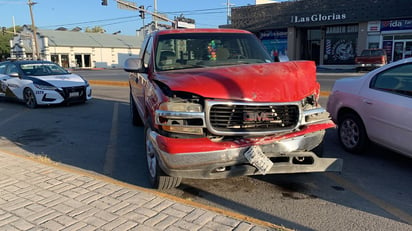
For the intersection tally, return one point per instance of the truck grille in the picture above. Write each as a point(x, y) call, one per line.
point(238, 118)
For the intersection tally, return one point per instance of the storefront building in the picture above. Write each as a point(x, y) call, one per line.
point(330, 32)
point(75, 49)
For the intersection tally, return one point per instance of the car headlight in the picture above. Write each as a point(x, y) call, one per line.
point(181, 117)
point(45, 87)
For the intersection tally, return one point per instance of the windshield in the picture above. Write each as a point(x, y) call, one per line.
point(41, 69)
point(193, 50)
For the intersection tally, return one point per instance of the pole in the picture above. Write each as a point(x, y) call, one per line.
point(155, 11)
point(33, 27)
point(228, 13)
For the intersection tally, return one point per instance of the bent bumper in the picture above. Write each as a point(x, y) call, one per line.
point(212, 160)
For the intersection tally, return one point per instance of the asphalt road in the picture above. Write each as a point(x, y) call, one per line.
point(372, 193)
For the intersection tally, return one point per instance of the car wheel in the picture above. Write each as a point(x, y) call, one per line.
point(29, 98)
point(136, 120)
point(158, 179)
point(352, 133)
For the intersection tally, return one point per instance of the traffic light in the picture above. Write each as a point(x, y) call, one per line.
point(104, 2)
point(141, 11)
point(3, 29)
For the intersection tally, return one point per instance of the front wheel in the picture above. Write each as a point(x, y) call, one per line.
point(158, 179)
point(29, 98)
point(352, 133)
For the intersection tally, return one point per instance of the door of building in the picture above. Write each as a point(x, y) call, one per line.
point(402, 50)
point(311, 45)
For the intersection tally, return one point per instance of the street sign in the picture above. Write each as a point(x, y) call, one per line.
point(160, 17)
point(185, 25)
point(126, 5)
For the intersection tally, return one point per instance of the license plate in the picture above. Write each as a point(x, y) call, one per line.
point(256, 157)
point(74, 94)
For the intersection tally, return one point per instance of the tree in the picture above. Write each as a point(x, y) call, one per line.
point(5, 42)
point(96, 29)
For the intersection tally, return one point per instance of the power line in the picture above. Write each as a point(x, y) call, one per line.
point(90, 22)
point(220, 10)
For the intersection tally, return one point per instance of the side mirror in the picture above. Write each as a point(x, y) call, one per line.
point(133, 65)
point(14, 75)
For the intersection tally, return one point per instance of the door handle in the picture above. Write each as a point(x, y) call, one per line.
point(367, 101)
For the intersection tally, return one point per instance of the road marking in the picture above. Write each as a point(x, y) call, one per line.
point(7, 120)
point(112, 145)
point(325, 93)
point(371, 198)
point(109, 83)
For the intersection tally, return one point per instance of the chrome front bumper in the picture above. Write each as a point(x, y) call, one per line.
point(287, 155)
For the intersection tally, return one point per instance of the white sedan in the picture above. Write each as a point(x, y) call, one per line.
point(376, 107)
point(41, 83)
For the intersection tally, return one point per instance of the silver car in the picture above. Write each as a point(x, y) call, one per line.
point(376, 107)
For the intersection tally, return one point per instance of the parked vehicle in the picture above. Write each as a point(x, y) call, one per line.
point(371, 59)
point(376, 107)
point(41, 83)
point(214, 105)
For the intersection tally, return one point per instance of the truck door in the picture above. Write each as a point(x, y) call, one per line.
point(139, 80)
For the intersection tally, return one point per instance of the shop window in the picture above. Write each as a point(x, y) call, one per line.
point(373, 45)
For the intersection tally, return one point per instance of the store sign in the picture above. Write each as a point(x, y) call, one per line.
point(342, 29)
point(318, 18)
point(403, 24)
point(273, 34)
point(374, 26)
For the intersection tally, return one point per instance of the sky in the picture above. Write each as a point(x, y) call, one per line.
point(51, 14)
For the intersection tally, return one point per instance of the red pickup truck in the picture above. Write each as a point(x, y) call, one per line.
point(214, 105)
point(371, 59)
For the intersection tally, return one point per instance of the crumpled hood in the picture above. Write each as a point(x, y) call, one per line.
point(269, 82)
point(67, 80)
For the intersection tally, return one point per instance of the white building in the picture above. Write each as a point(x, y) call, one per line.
point(75, 49)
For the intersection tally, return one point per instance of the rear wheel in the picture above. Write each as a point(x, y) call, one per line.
point(29, 98)
point(158, 179)
point(352, 133)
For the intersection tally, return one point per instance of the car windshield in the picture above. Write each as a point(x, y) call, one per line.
point(372, 53)
point(194, 50)
point(41, 69)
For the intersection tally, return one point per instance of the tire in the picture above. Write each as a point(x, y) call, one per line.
point(29, 98)
point(352, 133)
point(136, 120)
point(158, 179)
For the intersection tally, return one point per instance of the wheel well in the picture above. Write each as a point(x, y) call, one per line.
point(346, 110)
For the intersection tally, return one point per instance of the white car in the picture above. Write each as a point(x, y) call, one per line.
point(376, 107)
point(41, 83)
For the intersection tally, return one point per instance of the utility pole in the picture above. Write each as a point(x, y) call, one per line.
point(155, 11)
point(228, 13)
point(33, 27)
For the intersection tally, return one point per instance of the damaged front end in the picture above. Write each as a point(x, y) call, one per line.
point(208, 138)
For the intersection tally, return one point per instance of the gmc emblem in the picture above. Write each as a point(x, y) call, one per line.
point(258, 116)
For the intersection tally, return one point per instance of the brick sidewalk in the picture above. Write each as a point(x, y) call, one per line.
point(37, 194)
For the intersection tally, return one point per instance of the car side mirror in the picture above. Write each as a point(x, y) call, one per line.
point(14, 75)
point(133, 65)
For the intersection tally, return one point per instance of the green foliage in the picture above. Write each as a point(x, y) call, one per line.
point(96, 29)
point(5, 42)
